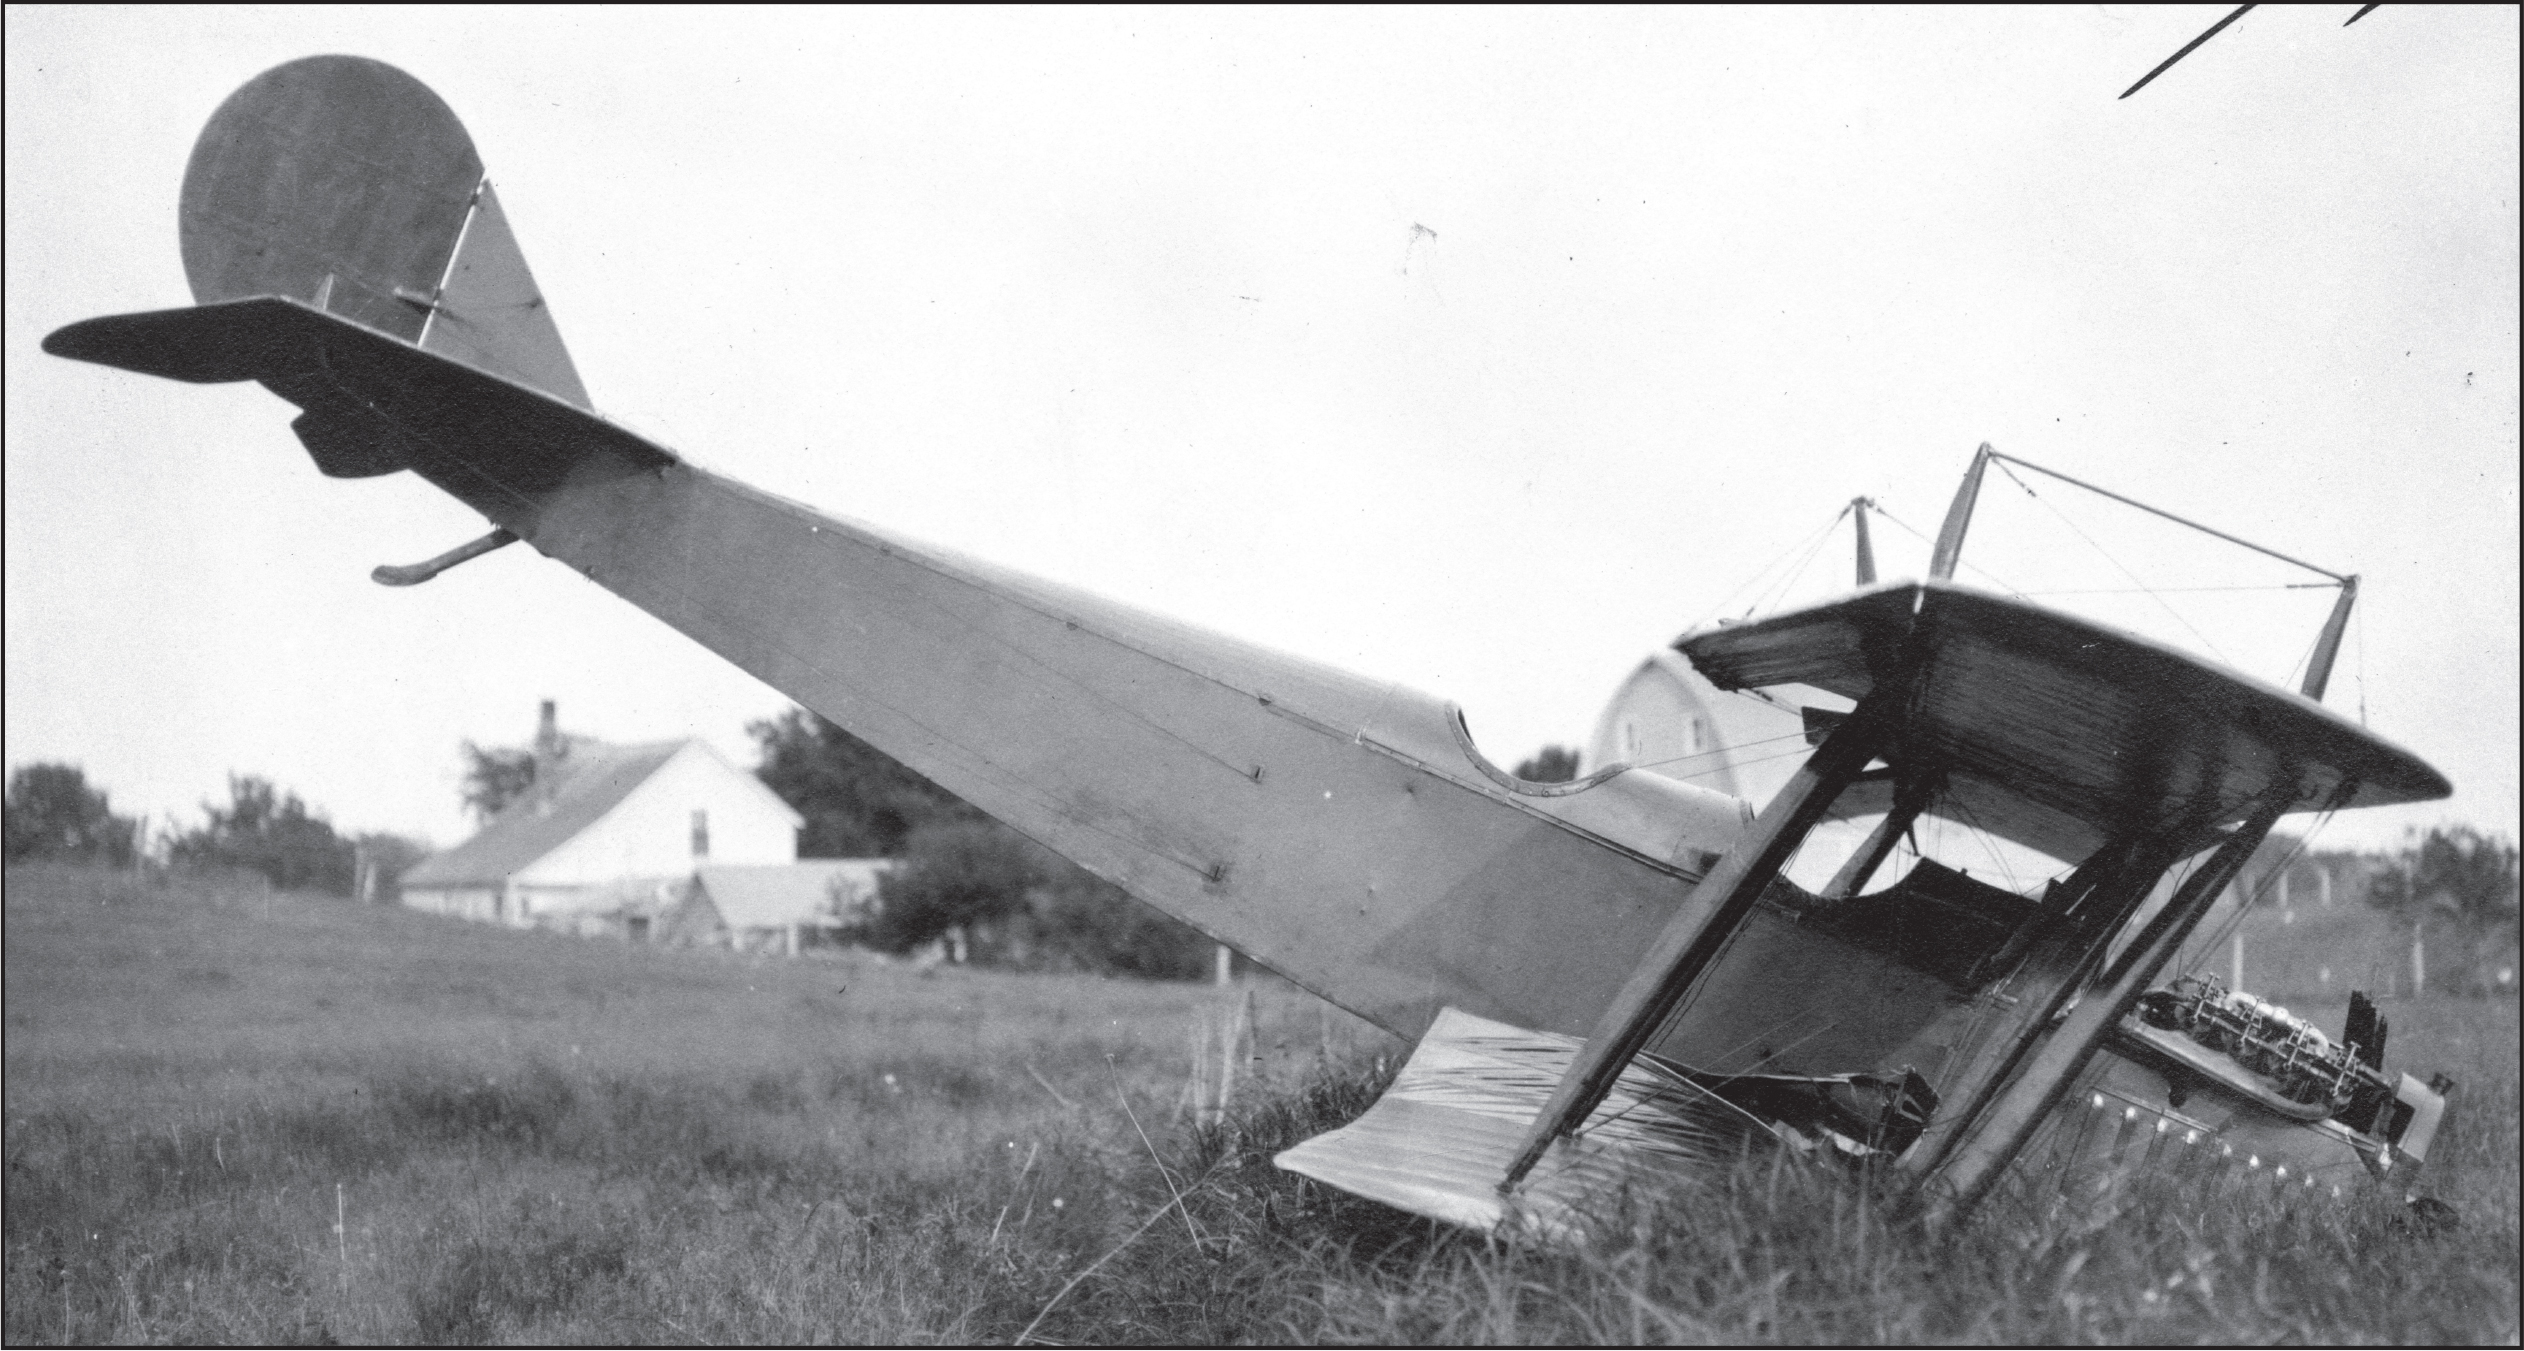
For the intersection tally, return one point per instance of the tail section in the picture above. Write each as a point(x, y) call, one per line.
point(1343, 830)
point(345, 184)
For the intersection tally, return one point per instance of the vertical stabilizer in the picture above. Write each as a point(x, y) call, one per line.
point(491, 315)
point(345, 184)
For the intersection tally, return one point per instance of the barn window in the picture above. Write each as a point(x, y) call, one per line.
point(700, 833)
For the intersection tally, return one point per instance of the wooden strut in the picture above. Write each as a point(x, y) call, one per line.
point(1692, 939)
point(2042, 968)
point(2327, 647)
point(1866, 546)
point(1976, 1160)
point(1909, 798)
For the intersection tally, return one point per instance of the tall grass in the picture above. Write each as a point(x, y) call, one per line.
point(554, 1140)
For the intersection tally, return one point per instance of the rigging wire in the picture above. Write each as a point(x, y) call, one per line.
point(1780, 592)
point(2178, 590)
point(2107, 557)
point(1722, 750)
point(1983, 836)
point(1741, 764)
point(1758, 576)
point(1992, 578)
point(2245, 903)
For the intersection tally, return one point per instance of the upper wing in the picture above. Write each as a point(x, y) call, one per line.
point(2062, 733)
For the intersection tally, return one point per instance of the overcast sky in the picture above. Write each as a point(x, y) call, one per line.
point(1479, 350)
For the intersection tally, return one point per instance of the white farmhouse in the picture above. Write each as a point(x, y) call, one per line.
point(608, 838)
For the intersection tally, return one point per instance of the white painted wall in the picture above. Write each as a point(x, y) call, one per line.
point(649, 833)
point(1666, 718)
point(477, 903)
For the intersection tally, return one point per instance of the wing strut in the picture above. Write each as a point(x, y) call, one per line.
point(1910, 797)
point(1696, 934)
point(1978, 1156)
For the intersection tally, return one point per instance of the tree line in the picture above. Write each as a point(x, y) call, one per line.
point(960, 875)
point(54, 814)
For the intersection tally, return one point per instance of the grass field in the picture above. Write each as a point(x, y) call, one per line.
point(534, 1138)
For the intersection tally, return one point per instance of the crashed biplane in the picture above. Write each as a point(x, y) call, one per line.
point(1602, 975)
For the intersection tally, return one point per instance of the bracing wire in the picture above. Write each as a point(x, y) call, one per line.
point(1803, 543)
point(2269, 879)
point(1789, 582)
point(1791, 752)
point(1722, 750)
point(1966, 565)
point(1982, 835)
point(2106, 555)
point(2179, 590)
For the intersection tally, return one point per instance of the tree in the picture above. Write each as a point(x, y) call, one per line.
point(52, 813)
point(858, 801)
point(1020, 904)
point(264, 830)
point(1552, 764)
point(953, 874)
point(1081, 922)
point(2458, 880)
point(389, 856)
point(495, 776)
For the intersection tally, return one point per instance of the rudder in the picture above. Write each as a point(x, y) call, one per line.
point(343, 183)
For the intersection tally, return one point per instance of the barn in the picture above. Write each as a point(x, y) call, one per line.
point(608, 838)
point(1666, 718)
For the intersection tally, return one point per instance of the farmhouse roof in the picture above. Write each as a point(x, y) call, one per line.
point(779, 894)
point(591, 781)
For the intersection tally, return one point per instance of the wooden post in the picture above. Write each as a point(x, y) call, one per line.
point(1223, 969)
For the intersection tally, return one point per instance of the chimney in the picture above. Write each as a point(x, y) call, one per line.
point(549, 747)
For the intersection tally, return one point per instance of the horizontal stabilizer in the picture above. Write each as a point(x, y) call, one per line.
point(374, 402)
point(1439, 1141)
